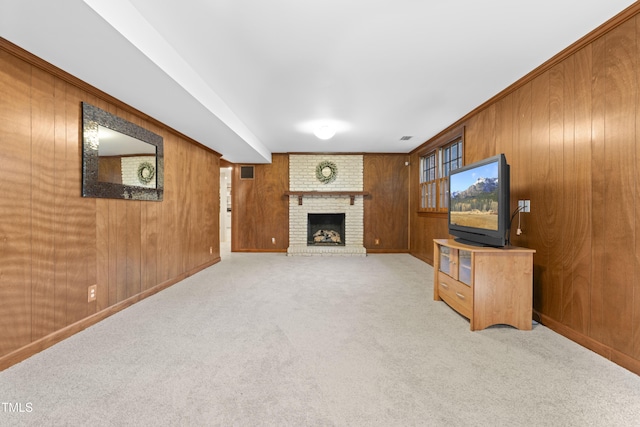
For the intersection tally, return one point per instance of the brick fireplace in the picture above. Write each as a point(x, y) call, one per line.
point(341, 196)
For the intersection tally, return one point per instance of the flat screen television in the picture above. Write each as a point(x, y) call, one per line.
point(479, 202)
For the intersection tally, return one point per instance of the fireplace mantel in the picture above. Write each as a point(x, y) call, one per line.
point(351, 194)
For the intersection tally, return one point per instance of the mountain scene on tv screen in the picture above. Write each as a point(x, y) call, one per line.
point(477, 206)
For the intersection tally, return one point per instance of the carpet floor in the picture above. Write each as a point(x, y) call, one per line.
point(271, 340)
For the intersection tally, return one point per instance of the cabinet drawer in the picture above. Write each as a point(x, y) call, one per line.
point(456, 294)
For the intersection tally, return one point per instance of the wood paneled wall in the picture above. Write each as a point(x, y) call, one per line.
point(55, 243)
point(386, 209)
point(571, 134)
point(260, 210)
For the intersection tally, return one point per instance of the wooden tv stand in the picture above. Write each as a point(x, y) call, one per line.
point(489, 286)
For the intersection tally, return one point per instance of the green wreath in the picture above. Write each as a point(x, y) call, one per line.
point(326, 172)
point(146, 172)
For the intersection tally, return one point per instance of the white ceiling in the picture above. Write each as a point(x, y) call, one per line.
point(253, 77)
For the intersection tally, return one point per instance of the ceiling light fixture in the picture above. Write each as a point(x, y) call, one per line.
point(324, 132)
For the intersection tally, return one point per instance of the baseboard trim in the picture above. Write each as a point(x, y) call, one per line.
point(603, 350)
point(43, 343)
point(260, 250)
point(387, 251)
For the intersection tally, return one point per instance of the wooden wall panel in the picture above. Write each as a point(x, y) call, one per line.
point(260, 209)
point(619, 165)
point(120, 243)
point(181, 170)
point(167, 248)
point(80, 211)
point(569, 188)
point(60, 207)
point(102, 235)
point(102, 254)
point(582, 212)
point(574, 126)
point(635, 322)
point(386, 209)
point(133, 247)
point(169, 259)
point(474, 132)
point(15, 203)
point(596, 310)
point(112, 249)
point(536, 227)
point(54, 243)
point(554, 187)
point(504, 126)
point(521, 153)
point(149, 252)
point(481, 130)
point(43, 203)
point(206, 196)
point(425, 228)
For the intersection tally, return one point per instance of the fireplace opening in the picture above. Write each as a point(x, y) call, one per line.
point(326, 229)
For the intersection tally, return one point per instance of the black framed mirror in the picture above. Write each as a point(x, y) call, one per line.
point(120, 160)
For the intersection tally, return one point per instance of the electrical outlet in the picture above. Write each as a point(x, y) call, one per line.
point(91, 293)
point(210, 250)
point(524, 206)
point(273, 240)
point(376, 241)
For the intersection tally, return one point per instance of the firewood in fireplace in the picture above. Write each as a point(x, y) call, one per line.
point(326, 236)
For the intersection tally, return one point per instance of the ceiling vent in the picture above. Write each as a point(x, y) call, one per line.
point(405, 138)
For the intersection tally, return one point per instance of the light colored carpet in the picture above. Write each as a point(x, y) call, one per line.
point(265, 339)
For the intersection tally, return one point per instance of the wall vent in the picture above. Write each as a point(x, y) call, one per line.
point(246, 172)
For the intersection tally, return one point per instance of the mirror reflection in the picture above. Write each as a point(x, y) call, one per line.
point(125, 160)
point(120, 159)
